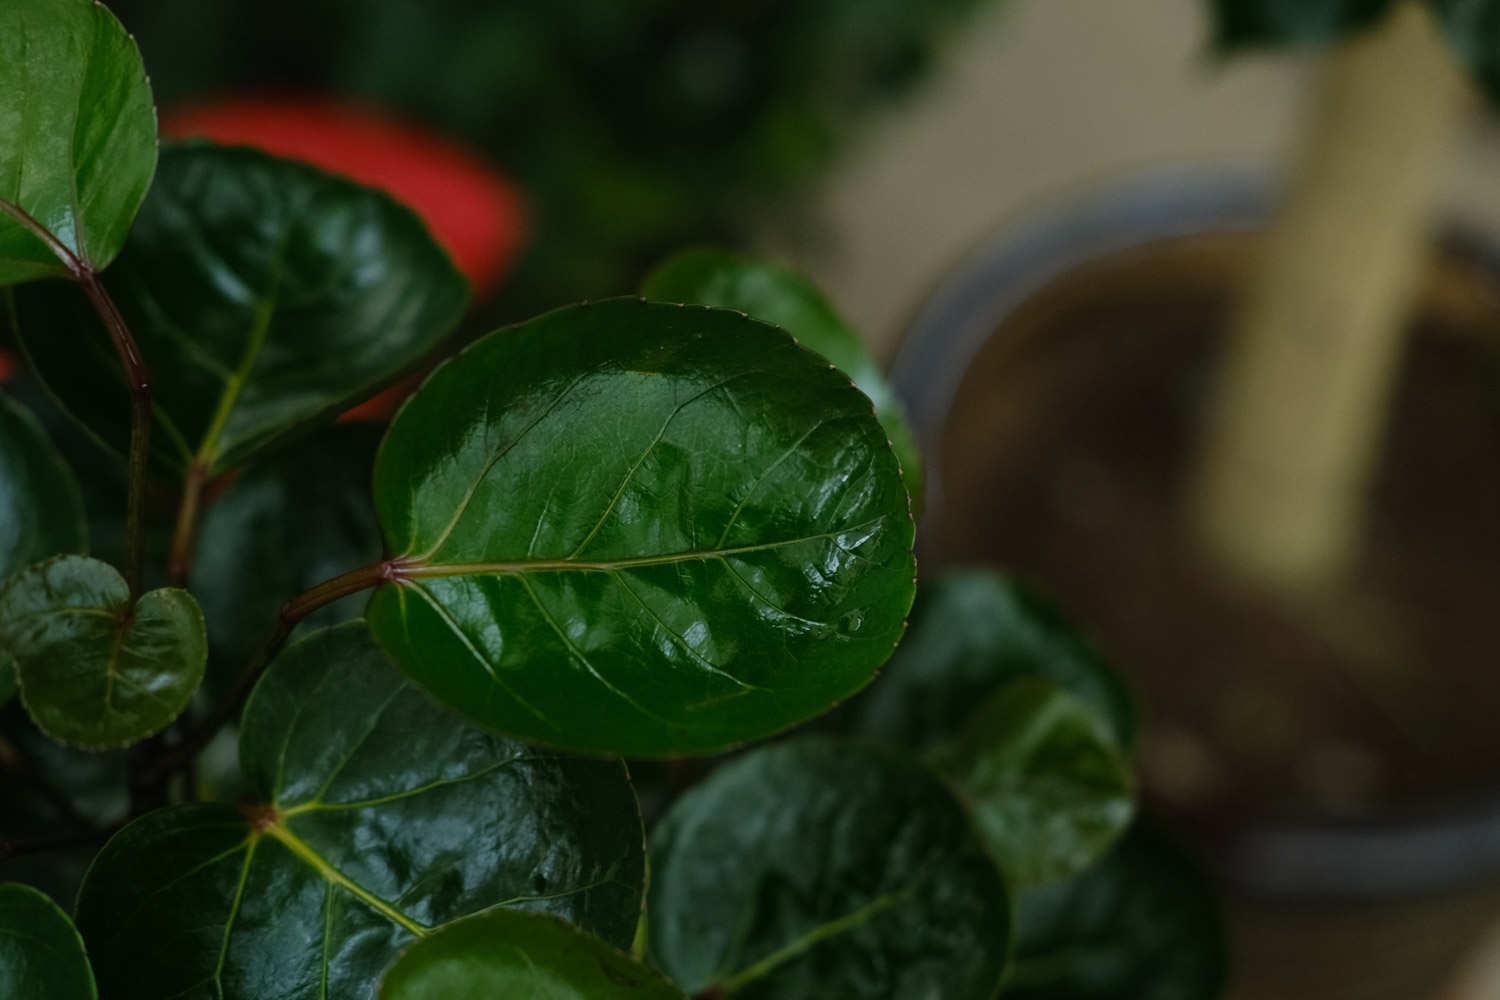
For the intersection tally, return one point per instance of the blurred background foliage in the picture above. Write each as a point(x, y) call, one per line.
point(634, 127)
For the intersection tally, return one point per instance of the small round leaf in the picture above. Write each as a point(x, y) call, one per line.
point(41, 506)
point(971, 632)
point(1143, 924)
point(817, 869)
point(512, 954)
point(266, 294)
point(1047, 784)
point(41, 954)
point(378, 816)
point(96, 671)
point(641, 529)
point(77, 134)
point(780, 296)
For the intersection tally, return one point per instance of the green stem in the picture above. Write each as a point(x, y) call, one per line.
point(185, 537)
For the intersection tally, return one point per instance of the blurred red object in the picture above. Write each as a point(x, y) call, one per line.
point(473, 211)
point(7, 366)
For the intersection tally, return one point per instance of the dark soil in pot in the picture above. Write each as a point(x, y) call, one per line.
point(1066, 456)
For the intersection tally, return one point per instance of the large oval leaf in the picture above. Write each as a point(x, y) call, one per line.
point(41, 954)
point(41, 507)
point(1141, 925)
point(380, 817)
point(299, 519)
point(511, 954)
point(641, 529)
point(77, 133)
point(95, 670)
point(778, 295)
point(265, 293)
point(817, 869)
point(971, 632)
point(1046, 782)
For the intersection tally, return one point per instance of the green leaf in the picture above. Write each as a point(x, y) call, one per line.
point(41, 954)
point(641, 529)
point(41, 507)
point(971, 632)
point(820, 869)
point(77, 134)
point(511, 954)
point(300, 519)
point(1141, 925)
point(780, 296)
point(1257, 23)
point(96, 671)
point(379, 816)
point(266, 295)
point(1044, 779)
point(1473, 28)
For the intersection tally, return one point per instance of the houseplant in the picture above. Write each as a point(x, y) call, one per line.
point(627, 528)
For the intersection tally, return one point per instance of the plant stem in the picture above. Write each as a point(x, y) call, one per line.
point(185, 537)
point(137, 383)
point(292, 612)
point(1315, 348)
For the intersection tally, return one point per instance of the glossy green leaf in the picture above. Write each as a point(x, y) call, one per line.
point(1141, 925)
point(972, 631)
point(819, 869)
point(782, 297)
point(77, 133)
point(512, 954)
point(41, 954)
point(300, 519)
point(379, 816)
point(1257, 23)
point(96, 671)
point(1047, 784)
point(641, 529)
point(266, 295)
point(41, 507)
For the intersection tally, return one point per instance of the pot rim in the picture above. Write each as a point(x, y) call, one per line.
point(1427, 848)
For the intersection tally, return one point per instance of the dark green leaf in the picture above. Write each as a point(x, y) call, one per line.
point(1256, 23)
point(7, 679)
point(266, 295)
point(41, 507)
point(300, 519)
point(379, 817)
point(96, 671)
point(641, 529)
point(1473, 27)
point(971, 632)
point(1141, 925)
point(1047, 784)
point(41, 954)
point(511, 954)
point(820, 869)
point(77, 133)
point(780, 296)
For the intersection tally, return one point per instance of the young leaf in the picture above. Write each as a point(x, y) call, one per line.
point(379, 817)
point(77, 134)
point(512, 954)
point(818, 869)
point(41, 507)
point(780, 296)
point(1140, 925)
point(1254, 23)
point(1046, 783)
point(95, 670)
point(640, 529)
point(299, 519)
point(972, 631)
point(41, 954)
point(266, 293)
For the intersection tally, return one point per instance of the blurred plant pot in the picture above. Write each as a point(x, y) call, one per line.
point(1340, 764)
